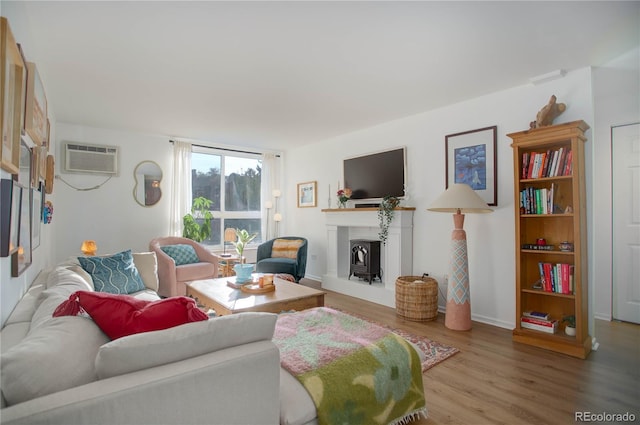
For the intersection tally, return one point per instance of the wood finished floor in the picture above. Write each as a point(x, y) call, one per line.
point(494, 380)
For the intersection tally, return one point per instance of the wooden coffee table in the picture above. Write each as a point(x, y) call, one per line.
point(216, 295)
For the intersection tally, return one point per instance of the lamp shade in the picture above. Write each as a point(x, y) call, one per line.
point(277, 217)
point(89, 247)
point(229, 234)
point(460, 196)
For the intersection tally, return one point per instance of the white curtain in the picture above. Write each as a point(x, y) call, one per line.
point(181, 187)
point(269, 182)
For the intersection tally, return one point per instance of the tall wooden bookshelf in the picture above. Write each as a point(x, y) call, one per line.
point(540, 231)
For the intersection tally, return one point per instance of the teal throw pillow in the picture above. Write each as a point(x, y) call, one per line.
point(181, 254)
point(114, 274)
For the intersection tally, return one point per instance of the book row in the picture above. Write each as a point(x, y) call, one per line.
point(558, 278)
point(552, 163)
point(539, 201)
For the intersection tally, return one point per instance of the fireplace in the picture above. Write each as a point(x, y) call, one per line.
point(364, 259)
point(396, 256)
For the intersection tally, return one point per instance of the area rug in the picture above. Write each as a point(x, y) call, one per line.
point(434, 352)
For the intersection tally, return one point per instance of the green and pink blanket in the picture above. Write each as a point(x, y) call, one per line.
point(355, 371)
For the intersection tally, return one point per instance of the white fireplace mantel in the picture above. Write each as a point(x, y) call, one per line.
point(396, 255)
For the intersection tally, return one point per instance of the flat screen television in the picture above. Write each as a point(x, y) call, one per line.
point(376, 175)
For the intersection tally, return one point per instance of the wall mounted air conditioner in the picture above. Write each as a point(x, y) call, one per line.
point(93, 159)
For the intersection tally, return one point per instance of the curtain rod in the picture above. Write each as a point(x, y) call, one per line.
point(225, 149)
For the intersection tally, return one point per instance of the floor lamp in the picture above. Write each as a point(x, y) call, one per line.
point(459, 199)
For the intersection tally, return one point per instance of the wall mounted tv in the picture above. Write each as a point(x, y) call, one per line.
point(376, 175)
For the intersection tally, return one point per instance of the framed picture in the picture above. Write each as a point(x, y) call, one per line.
point(35, 120)
point(21, 258)
point(307, 194)
point(9, 214)
point(36, 217)
point(25, 175)
point(13, 83)
point(471, 159)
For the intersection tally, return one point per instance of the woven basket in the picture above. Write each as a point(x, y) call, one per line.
point(417, 298)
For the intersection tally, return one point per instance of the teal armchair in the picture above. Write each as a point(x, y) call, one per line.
point(284, 258)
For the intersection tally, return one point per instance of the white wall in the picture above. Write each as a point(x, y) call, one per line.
point(617, 93)
point(12, 288)
point(110, 215)
point(491, 246)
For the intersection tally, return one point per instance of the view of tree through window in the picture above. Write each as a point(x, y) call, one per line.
point(238, 206)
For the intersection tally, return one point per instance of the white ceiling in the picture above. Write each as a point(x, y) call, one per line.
point(276, 75)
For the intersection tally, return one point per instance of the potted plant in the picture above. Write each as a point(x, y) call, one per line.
point(243, 271)
point(385, 216)
point(570, 328)
point(191, 228)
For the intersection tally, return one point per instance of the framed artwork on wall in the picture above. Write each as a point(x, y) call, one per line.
point(13, 82)
point(471, 159)
point(36, 216)
point(307, 194)
point(9, 213)
point(21, 258)
point(25, 175)
point(36, 108)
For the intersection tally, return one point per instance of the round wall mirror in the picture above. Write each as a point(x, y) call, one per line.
point(148, 176)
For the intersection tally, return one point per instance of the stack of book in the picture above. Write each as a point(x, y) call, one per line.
point(538, 321)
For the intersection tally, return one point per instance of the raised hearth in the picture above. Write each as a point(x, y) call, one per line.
point(396, 256)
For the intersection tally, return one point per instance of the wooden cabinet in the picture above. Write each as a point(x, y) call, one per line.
point(550, 209)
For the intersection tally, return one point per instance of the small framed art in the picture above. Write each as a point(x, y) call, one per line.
point(307, 194)
point(13, 83)
point(471, 159)
point(36, 108)
point(21, 258)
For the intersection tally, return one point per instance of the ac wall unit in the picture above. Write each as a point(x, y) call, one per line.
point(86, 158)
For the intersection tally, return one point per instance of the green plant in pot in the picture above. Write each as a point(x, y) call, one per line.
point(570, 328)
point(193, 230)
point(385, 216)
point(243, 271)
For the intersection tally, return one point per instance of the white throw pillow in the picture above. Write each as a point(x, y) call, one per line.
point(58, 355)
point(147, 265)
point(150, 349)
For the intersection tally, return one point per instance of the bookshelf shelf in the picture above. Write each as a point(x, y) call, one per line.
point(550, 204)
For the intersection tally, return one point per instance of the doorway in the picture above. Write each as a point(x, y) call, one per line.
point(625, 189)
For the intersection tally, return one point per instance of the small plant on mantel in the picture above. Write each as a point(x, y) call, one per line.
point(191, 228)
point(385, 216)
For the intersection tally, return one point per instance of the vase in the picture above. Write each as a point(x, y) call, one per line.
point(243, 272)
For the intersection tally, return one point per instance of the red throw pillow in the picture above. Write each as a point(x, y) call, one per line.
point(122, 315)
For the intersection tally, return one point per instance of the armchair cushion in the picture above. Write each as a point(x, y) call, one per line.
point(115, 274)
point(285, 248)
point(181, 253)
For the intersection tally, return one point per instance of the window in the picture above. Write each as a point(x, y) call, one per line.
point(238, 205)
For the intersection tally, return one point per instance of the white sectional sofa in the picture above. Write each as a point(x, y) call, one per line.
point(64, 370)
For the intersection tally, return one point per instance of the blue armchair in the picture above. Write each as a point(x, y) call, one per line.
point(287, 254)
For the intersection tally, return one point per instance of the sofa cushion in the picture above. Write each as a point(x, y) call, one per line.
point(122, 315)
point(58, 355)
point(286, 248)
point(115, 274)
point(152, 349)
point(61, 283)
point(181, 253)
